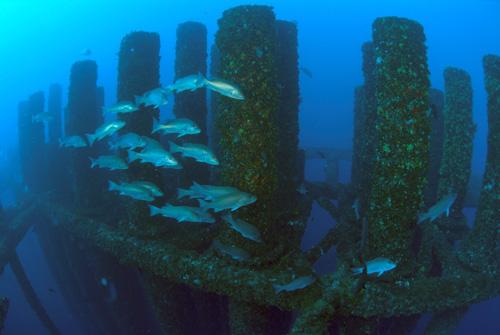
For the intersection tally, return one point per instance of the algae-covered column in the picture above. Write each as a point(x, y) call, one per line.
point(139, 72)
point(54, 108)
point(83, 117)
point(403, 127)
point(191, 59)
point(287, 59)
point(365, 135)
point(459, 131)
point(214, 137)
point(484, 240)
point(436, 100)
point(358, 138)
point(249, 133)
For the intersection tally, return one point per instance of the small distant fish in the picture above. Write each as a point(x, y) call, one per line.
point(206, 192)
point(246, 229)
point(307, 72)
point(302, 189)
point(188, 83)
point(155, 190)
point(294, 285)
point(74, 141)
point(355, 206)
point(86, 52)
point(42, 117)
point(128, 141)
point(199, 152)
point(442, 206)
point(110, 162)
point(225, 88)
point(235, 253)
point(122, 107)
point(133, 191)
point(182, 213)
point(377, 265)
point(104, 281)
point(156, 98)
point(107, 129)
point(230, 201)
point(181, 127)
point(156, 156)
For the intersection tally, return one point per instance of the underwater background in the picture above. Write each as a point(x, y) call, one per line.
point(41, 40)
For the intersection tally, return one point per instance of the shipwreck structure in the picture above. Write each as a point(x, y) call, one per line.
point(405, 138)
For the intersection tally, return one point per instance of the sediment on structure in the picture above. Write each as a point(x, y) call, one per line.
point(436, 100)
point(402, 130)
point(191, 59)
point(367, 140)
point(287, 62)
point(459, 131)
point(480, 249)
point(82, 117)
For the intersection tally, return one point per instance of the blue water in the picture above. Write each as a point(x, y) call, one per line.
point(40, 40)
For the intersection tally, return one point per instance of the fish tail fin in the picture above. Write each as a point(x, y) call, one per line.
point(277, 288)
point(174, 147)
point(196, 185)
point(91, 138)
point(132, 156)
point(182, 192)
point(139, 100)
point(60, 143)
point(203, 203)
point(422, 217)
point(92, 162)
point(112, 186)
point(153, 210)
point(113, 146)
point(357, 271)
point(156, 125)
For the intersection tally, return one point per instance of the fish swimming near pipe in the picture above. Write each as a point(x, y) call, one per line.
point(42, 117)
point(110, 162)
point(225, 88)
point(181, 127)
point(245, 229)
point(231, 201)
point(156, 97)
point(182, 213)
point(135, 192)
point(378, 266)
point(188, 83)
point(156, 156)
point(206, 192)
point(294, 285)
point(107, 129)
point(199, 152)
point(234, 252)
point(123, 107)
point(128, 141)
point(73, 141)
point(441, 207)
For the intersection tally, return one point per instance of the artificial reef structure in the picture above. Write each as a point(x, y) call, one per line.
point(405, 135)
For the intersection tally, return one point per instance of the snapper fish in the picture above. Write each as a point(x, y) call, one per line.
point(130, 190)
point(156, 98)
point(181, 127)
point(42, 117)
point(110, 162)
point(182, 213)
point(230, 201)
point(199, 152)
point(225, 88)
point(128, 141)
point(294, 285)
point(235, 253)
point(107, 129)
point(151, 187)
point(206, 192)
point(74, 141)
point(188, 83)
point(378, 265)
point(122, 107)
point(442, 206)
point(245, 229)
point(156, 156)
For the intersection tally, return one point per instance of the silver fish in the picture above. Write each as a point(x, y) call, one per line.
point(230, 201)
point(107, 129)
point(109, 162)
point(246, 229)
point(74, 141)
point(182, 213)
point(122, 107)
point(130, 190)
point(199, 152)
point(156, 156)
point(302, 189)
point(42, 117)
point(188, 83)
point(128, 141)
point(181, 127)
point(156, 98)
point(235, 253)
point(155, 190)
point(225, 88)
point(294, 285)
point(377, 265)
point(206, 192)
point(442, 206)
